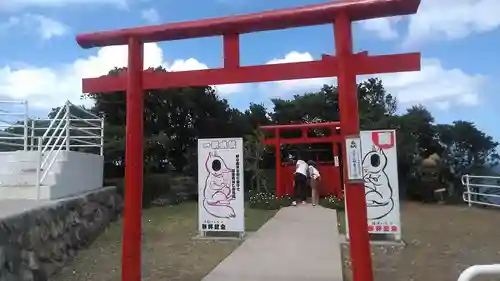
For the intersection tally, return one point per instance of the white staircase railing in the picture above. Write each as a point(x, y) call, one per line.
point(481, 190)
point(72, 128)
point(478, 270)
point(14, 125)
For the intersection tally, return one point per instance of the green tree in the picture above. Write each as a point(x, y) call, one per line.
point(466, 148)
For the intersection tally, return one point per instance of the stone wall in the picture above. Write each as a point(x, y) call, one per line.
point(36, 244)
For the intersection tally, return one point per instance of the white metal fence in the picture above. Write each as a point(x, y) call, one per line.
point(72, 128)
point(479, 270)
point(14, 124)
point(481, 190)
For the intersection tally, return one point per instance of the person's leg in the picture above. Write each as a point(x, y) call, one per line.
point(296, 183)
point(315, 191)
point(303, 188)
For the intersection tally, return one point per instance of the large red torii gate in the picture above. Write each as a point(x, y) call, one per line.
point(345, 65)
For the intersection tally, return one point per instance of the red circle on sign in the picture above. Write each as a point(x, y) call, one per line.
point(387, 143)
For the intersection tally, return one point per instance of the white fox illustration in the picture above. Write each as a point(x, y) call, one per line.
point(217, 195)
point(378, 190)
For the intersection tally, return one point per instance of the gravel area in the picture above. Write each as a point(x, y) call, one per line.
point(441, 241)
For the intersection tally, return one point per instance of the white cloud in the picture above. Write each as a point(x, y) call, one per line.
point(452, 19)
point(440, 20)
point(283, 88)
point(49, 28)
point(434, 84)
point(15, 5)
point(44, 26)
point(46, 87)
point(150, 15)
point(384, 28)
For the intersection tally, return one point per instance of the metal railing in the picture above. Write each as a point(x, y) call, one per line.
point(72, 128)
point(481, 190)
point(477, 270)
point(14, 125)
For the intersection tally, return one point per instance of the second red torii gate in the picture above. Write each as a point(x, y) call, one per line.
point(345, 65)
point(334, 137)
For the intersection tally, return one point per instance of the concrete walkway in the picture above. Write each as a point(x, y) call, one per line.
point(299, 243)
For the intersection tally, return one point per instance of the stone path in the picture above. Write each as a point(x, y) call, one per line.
point(299, 243)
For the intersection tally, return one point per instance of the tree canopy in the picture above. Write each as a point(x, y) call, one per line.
point(175, 118)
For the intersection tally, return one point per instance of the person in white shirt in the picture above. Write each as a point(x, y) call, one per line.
point(300, 182)
point(314, 179)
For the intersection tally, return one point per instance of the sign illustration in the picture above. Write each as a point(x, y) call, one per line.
point(378, 189)
point(380, 170)
point(220, 185)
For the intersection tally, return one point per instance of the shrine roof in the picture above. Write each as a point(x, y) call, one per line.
point(263, 21)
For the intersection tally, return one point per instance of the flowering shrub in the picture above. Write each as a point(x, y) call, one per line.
point(332, 202)
point(268, 201)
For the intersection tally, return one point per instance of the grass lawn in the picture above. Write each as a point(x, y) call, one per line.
point(169, 252)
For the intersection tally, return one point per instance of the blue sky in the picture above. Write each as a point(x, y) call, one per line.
point(459, 41)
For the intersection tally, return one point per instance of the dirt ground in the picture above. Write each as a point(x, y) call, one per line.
point(169, 252)
point(441, 241)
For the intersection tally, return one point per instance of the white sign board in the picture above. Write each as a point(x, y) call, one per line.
point(380, 176)
point(353, 153)
point(220, 185)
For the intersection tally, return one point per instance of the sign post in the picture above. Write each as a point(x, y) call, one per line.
point(221, 207)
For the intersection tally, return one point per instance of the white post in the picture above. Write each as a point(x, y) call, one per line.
point(467, 184)
point(102, 136)
point(67, 125)
point(38, 168)
point(26, 126)
point(32, 135)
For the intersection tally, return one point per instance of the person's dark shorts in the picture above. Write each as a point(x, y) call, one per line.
point(300, 179)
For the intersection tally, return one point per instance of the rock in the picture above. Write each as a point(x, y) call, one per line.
point(89, 209)
point(3, 259)
point(56, 228)
point(31, 259)
point(26, 274)
point(12, 258)
point(74, 237)
point(49, 268)
point(102, 197)
point(72, 219)
point(44, 252)
point(32, 238)
point(7, 276)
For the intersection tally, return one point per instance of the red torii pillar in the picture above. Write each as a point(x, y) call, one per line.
point(346, 66)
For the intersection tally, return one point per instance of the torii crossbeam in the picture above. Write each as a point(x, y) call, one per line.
point(345, 65)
